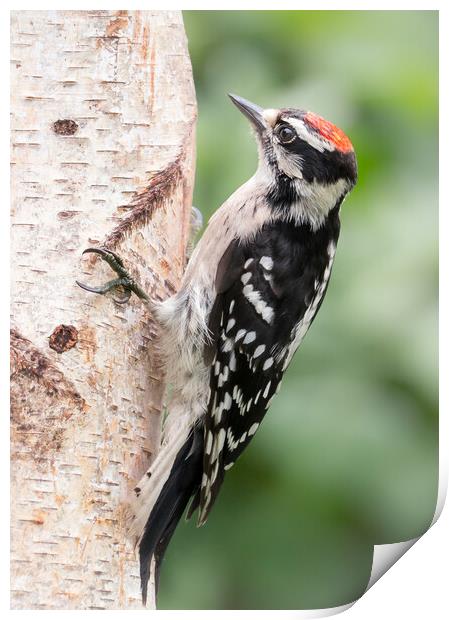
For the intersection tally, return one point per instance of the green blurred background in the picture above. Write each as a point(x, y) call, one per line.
point(347, 456)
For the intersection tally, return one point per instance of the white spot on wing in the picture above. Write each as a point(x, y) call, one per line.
point(221, 439)
point(209, 439)
point(260, 306)
point(230, 324)
point(232, 441)
point(253, 429)
point(227, 402)
point(259, 350)
point(227, 346)
point(240, 334)
point(250, 337)
point(266, 262)
point(218, 413)
point(268, 363)
point(267, 389)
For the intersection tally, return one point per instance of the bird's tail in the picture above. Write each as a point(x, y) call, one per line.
point(163, 495)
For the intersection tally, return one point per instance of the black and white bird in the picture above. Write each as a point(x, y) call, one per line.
point(251, 290)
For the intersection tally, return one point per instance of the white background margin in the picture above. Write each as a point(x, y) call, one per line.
point(417, 585)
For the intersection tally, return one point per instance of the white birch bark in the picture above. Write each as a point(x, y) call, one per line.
point(103, 114)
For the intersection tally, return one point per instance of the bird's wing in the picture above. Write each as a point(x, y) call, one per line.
point(253, 323)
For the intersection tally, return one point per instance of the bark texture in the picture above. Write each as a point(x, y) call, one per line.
point(103, 114)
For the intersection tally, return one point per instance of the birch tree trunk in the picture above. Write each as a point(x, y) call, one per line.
point(103, 119)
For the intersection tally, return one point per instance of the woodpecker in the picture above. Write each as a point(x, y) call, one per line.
point(251, 289)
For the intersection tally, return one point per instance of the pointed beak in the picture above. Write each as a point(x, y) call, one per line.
point(253, 112)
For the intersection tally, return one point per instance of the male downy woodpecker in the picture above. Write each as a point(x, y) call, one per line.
point(252, 287)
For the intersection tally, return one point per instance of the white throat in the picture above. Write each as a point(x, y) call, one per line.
point(315, 202)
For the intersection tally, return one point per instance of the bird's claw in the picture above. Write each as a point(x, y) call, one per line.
point(124, 280)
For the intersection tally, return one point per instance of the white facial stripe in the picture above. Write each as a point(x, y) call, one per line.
point(309, 136)
point(289, 163)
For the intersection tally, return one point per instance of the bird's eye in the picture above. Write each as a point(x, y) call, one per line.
point(286, 134)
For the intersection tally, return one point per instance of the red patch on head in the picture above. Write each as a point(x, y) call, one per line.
point(329, 132)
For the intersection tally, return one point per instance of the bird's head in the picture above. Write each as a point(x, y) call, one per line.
point(299, 150)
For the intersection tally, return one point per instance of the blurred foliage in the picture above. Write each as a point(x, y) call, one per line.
point(347, 456)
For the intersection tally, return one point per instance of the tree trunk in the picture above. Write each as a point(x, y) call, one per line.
point(103, 119)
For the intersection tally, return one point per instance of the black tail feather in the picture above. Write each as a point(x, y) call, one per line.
point(194, 504)
point(183, 482)
point(161, 549)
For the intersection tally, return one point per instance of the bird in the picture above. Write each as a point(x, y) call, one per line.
point(251, 289)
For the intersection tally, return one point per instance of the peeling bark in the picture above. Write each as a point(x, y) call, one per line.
point(103, 116)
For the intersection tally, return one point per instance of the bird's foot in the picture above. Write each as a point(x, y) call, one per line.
point(124, 280)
